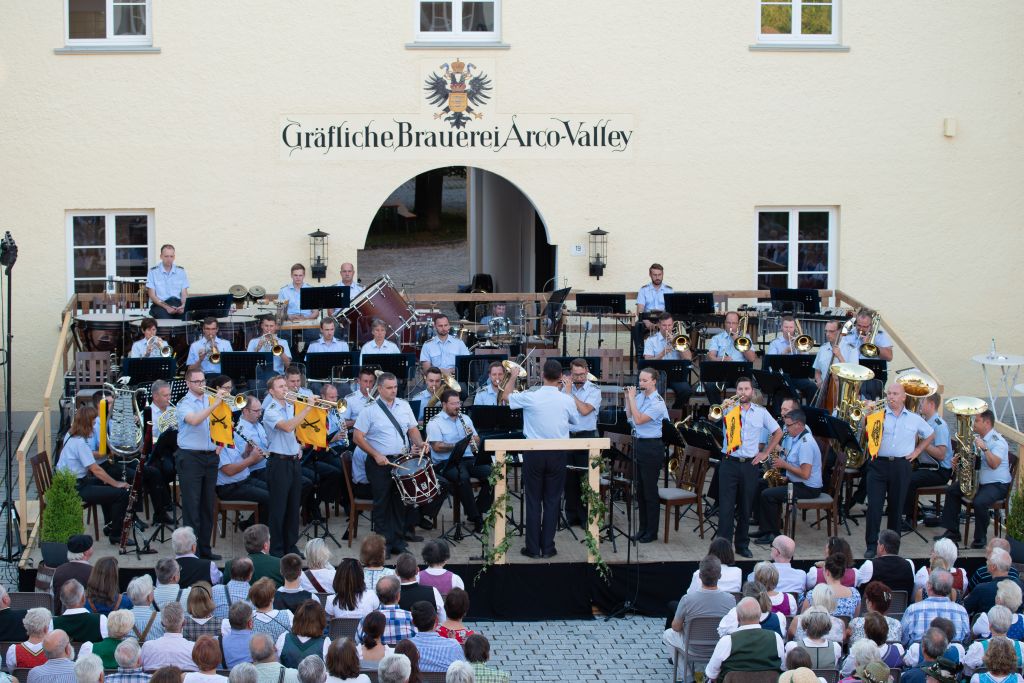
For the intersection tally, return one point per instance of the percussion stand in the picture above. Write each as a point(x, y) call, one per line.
point(312, 530)
point(455, 534)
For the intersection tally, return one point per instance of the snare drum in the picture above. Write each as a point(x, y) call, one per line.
point(415, 478)
point(382, 300)
point(237, 329)
point(106, 332)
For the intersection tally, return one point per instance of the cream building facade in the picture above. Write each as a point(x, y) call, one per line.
point(893, 130)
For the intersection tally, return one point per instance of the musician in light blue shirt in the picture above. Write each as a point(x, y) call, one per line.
point(440, 352)
point(936, 461)
point(851, 344)
point(722, 347)
point(432, 377)
point(234, 480)
point(265, 342)
point(800, 459)
point(284, 473)
point(489, 394)
point(197, 459)
point(994, 480)
point(785, 345)
point(201, 349)
point(291, 294)
point(649, 298)
point(828, 354)
point(150, 345)
point(251, 427)
point(348, 279)
point(646, 411)
point(378, 344)
point(587, 399)
point(444, 431)
point(359, 399)
point(327, 343)
point(167, 285)
point(659, 346)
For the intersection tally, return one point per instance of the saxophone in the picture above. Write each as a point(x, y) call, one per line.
point(772, 476)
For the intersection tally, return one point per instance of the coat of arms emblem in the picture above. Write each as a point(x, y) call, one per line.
point(457, 90)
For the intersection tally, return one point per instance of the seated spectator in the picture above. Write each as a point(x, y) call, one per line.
point(731, 579)
point(767, 575)
point(147, 619)
point(89, 669)
point(821, 596)
point(918, 653)
point(129, 664)
point(371, 649)
point(352, 598)
point(394, 668)
point(190, 565)
point(1008, 594)
point(874, 672)
point(168, 574)
point(200, 620)
point(371, 556)
point(236, 633)
point(1002, 662)
point(170, 649)
point(981, 574)
point(824, 653)
point(919, 615)
point(749, 648)
point(408, 650)
point(267, 619)
point(343, 663)
point(436, 652)
point(243, 673)
point(790, 580)
point(407, 572)
point(834, 545)
point(435, 555)
point(887, 566)
point(983, 597)
point(798, 674)
point(877, 631)
point(78, 623)
point(119, 625)
point(291, 594)
point(796, 658)
point(235, 590)
point(57, 648)
point(264, 659)
point(319, 577)
point(708, 601)
point(459, 672)
point(206, 656)
point(863, 655)
point(847, 599)
point(999, 619)
point(312, 670)
point(769, 620)
point(399, 621)
point(29, 653)
point(478, 650)
point(456, 605)
point(944, 549)
point(877, 598)
point(167, 674)
point(306, 636)
point(941, 671)
point(11, 628)
point(256, 540)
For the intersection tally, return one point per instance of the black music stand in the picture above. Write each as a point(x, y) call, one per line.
point(675, 370)
point(796, 300)
point(323, 298)
point(552, 318)
point(455, 533)
point(725, 371)
point(797, 366)
point(148, 370)
point(593, 361)
point(463, 369)
point(878, 366)
point(397, 364)
point(320, 365)
point(598, 306)
point(503, 423)
point(216, 305)
point(775, 387)
point(242, 366)
point(841, 433)
point(689, 305)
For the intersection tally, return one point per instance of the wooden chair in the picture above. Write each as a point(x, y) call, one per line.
point(751, 677)
point(998, 508)
point(433, 676)
point(827, 501)
point(923, 492)
point(223, 507)
point(355, 505)
point(92, 368)
point(343, 628)
point(30, 600)
point(689, 487)
point(42, 472)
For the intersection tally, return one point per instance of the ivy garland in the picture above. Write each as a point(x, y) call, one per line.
point(596, 511)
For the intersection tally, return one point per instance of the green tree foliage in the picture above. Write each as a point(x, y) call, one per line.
point(62, 517)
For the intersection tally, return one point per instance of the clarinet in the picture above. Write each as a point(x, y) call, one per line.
point(129, 514)
point(260, 451)
point(469, 433)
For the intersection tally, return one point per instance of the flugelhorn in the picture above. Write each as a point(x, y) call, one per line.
point(680, 339)
point(213, 353)
point(276, 348)
point(718, 410)
point(237, 400)
point(165, 349)
point(341, 405)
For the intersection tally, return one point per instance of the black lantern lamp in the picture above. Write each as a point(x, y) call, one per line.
point(318, 254)
point(598, 252)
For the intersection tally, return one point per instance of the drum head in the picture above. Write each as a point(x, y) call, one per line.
point(238, 291)
point(257, 292)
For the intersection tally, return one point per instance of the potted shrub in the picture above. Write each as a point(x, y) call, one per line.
point(1015, 521)
point(62, 518)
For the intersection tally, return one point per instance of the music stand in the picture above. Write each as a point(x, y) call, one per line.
point(148, 370)
point(675, 370)
point(593, 361)
point(454, 534)
point(687, 305)
point(775, 387)
point(397, 364)
point(463, 369)
point(878, 366)
point(216, 305)
point(320, 365)
point(323, 298)
point(600, 303)
point(796, 300)
point(242, 366)
point(798, 366)
point(724, 371)
point(496, 419)
point(670, 435)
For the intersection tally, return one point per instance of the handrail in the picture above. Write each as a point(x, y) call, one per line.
point(33, 432)
point(59, 354)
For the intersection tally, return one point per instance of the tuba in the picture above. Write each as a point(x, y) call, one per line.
point(966, 471)
point(918, 386)
point(849, 406)
point(125, 424)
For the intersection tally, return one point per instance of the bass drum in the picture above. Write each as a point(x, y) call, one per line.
point(382, 300)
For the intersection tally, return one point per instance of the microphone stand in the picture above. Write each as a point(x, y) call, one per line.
point(629, 605)
point(13, 547)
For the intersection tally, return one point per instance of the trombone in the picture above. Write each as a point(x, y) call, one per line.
point(803, 342)
point(238, 400)
point(680, 340)
point(869, 349)
point(341, 405)
point(743, 341)
point(718, 411)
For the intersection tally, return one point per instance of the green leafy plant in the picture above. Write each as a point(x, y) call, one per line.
point(62, 517)
point(1015, 516)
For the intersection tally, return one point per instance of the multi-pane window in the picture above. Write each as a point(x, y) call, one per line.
point(799, 21)
point(462, 20)
point(796, 248)
point(120, 22)
point(107, 244)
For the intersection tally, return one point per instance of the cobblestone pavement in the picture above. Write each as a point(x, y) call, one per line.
point(627, 649)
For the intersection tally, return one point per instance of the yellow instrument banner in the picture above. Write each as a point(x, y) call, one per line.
point(733, 429)
point(103, 428)
point(221, 432)
point(873, 425)
point(312, 431)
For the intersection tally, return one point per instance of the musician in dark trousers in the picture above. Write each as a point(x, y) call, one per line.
point(446, 429)
point(889, 473)
point(383, 430)
point(645, 411)
point(587, 399)
point(936, 461)
point(547, 414)
point(800, 460)
point(167, 286)
point(738, 473)
point(197, 460)
point(284, 473)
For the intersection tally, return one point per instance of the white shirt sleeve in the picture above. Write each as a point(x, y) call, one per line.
point(728, 624)
point(721, 653)
point(11, 658)
point(279, 645)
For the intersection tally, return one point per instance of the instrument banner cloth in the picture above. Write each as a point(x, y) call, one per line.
point(221, 429)
point(873, 425)
point(733, 429)
point(103, 428)
point(312, 431)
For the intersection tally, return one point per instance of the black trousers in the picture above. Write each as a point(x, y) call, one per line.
point(252, 490)
point(458, 479)
point(885, 479)
point(806, 387)
point(772, 499)
point(388, 512)
point(987, 495)
point(160, 313)
point(284, 482)
point(681, 391)
point(197, 475)
point(738, 482)
point(575, 506)
point(921, 478)
point(544, 481)
point(650, 458)
point(112, 501)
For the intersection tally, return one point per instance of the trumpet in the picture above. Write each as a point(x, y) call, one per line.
point(718, 411)
point(678, 339)
point(803, 342)
point(237, 400)
point(275, 344)
point(213, 353)
point(743, 341)
point(341, 405)
point(165, 349)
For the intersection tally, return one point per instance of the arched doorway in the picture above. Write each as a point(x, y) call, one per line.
point(448, 228)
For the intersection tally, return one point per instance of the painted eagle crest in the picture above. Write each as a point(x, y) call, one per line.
point(456, 91)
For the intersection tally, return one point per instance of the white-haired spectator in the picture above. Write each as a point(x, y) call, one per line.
point(767, 574)
point(11, 628)
point(319, 577)
point(80, 624)
point(862, 654)
point(129, 663)
point(58, 667)
point(120, 624)
point(946, 549)
point(824, 653)
point(999, 619)
point(89, 669)
point(821, 596)
point(983, 597)
point(770, 620)
point(394, 669)
point(312, 670)
point(168, 574)
point(243, 673)
point(184, 543)
point(29, 653)
point(981, 574)
point(147, 619)
point(1009, 595)
point(170, 649)
point(459, 672)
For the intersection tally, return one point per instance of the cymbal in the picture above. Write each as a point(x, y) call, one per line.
point(464, 322)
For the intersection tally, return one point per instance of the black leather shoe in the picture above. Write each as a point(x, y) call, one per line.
point(526, 552)
point(870, 553)
point(978, 545)
point(744, 552)
point(476, 525)
point(411, 536)
point(398, 549)
point(426, 524)
point(646, 539)
point(552, 553)
point(951, 535)
point(213, 557)
point(765, 539)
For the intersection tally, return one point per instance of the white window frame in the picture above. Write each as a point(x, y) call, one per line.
point(110, 234)
point(457, 35)
point(796, 37)
point(792, 273)
point(111, 39)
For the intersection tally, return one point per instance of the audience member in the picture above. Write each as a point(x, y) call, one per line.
point(407, 572)
point(822, 596)
point(29, 652)
point(435, 555)
point(264, 658)
point(834, 545)
point(343, 663)
point(199, 621)
point(89, 669)
point(706, 601)
point(147, 619)
point(256, 540)
point(236, 633)
point(847, 599)
point(877, 598)
point(919, 615)
point(319, 577)
point(291, 594)
point(887, 566)
point(824, 653)
point(933, 645)
point(876, 630)
point(731, 578)
point(394, 669)
point(1002, 659)
point(874, 671)
point(942, 671)
point(983, 597)
point(399, 621)
point(407, 649)
point(167, 674)
point(459, 672)
point(748, 648)
point(999, 619)
point(184, 544)
point(170, 649)
point(119, 625)
point(478, 651)
point(456, 606)
point(235, 590)
point(436, 652)
point(372, 555)
point(767, 574)
point(168, 574)
point(770, 620)
point(954, 652)
point(267, 619)
point(243, 673)
point(206, 656)
point(312, 670)
point(306, 636)
point(11, 620)
point(129, 664)
point(77, 567)
point(946, 550)
point(58, 667)
point(981, 574)
point(78, 623)
point(1008, 594)
point(353, 598)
